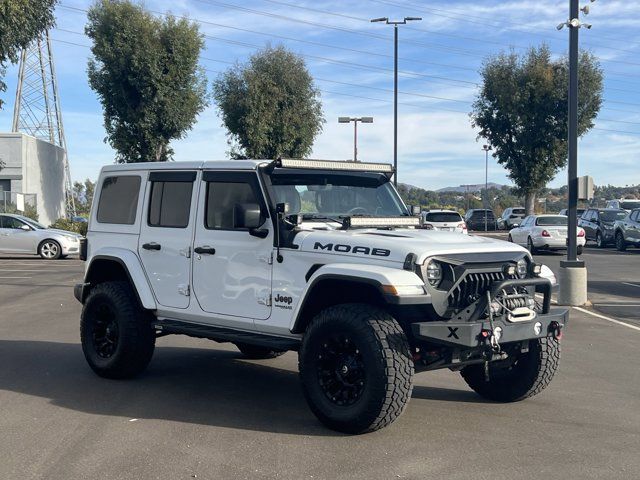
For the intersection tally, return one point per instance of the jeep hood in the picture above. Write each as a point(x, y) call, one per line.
point(398, 243)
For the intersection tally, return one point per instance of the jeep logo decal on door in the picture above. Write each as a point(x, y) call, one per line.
point(377, 252)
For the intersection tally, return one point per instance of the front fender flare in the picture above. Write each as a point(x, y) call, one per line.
point(370, 274)
point(131, 264)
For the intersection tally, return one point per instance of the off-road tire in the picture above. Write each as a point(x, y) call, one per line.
point(115, 304)
point(49, 250)
point(383, 355)
point(621, 245)
point(531, 247)
point(528, 377)
point(255, 352)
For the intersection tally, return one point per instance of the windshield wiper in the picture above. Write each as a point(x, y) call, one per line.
point(312, 216)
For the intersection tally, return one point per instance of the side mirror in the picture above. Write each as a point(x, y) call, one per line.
point(515, 225)
point(247, 215)
point(26, 228)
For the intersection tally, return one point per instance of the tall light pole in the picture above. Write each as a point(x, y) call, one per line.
point(395, 24)
point(573, 274)
point(355, 121)
point(486, 149)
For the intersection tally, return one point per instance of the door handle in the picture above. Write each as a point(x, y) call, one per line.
point(151, 246)
point(205, 250)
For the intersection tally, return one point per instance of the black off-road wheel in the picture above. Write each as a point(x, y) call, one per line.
point(117, 337)
point(621, 245)
point(521, 376)
point(255, 352)
point(356, 368)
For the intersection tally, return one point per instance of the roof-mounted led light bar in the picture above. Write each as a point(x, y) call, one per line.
point(334, 165)
point(381, 222)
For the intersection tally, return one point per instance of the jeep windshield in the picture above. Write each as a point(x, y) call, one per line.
point(333, 196)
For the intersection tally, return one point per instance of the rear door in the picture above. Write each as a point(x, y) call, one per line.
point(166, 233)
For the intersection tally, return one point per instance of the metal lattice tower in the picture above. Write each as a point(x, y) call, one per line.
point(37, 106)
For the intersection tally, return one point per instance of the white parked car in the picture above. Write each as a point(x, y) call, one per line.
point(444, 220)
point(545, 232)
point(19, 234)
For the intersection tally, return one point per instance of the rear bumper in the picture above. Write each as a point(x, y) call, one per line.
point(470, 334)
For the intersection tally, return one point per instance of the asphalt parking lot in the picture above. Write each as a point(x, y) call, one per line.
point(201, 411)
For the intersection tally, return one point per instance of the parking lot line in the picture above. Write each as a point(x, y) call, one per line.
point(616, 304)
point(608, 319)
point(14, 277)
point(631, 284)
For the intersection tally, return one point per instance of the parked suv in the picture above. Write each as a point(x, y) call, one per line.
point(627, 230)
point(318, 257)
point(511, 217)
point(598, 224)
point(443, 221)
point(475, 219)
point(624, 204)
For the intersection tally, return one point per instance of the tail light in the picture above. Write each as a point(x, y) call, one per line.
point(581, 233)
point(545, 233)
point(428, 226)
point(462, 225)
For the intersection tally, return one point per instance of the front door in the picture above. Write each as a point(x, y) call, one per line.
point(15, 238)
point(165, 235)
point(231, 267)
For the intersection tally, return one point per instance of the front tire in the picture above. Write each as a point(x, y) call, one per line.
point(255, 352)
point(50, 250)
point(524, 377)
point(356, 368)
point(116, 333)
point(621, 245)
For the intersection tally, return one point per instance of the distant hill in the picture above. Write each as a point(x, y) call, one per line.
point(470, 188)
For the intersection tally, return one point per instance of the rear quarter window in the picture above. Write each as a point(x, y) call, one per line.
point(118, 200)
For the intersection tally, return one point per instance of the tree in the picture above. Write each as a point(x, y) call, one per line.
point(83, 196)
point(522, 111)
point(21, 21)
point(146, 74)
point(270, 106)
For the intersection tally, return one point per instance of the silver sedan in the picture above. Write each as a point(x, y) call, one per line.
point(19, 234)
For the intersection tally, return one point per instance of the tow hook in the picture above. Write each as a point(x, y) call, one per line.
point(556, 330)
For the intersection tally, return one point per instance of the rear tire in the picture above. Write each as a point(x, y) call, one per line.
point(356, 368)
point(116, 333)
point(49, 250)
point(621, 245)
point(255, 352)
point(579, 249)
point(529, 375)
point(531, 247)
point(509, 238)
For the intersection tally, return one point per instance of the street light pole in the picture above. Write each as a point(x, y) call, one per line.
point(573, 274)
point(486, 149)
point(395, 24)
point(355, 121)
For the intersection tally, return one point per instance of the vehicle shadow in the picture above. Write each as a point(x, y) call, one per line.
point(613, 289)
point(191, 385)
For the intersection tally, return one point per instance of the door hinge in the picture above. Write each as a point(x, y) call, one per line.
point(185, 252)
point(264, 298)
point(266, 258)
point(184, 290)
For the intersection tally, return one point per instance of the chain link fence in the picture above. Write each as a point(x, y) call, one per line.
point(21, 203)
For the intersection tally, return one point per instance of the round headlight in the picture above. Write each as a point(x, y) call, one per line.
point(434, 273)
point(522, 268)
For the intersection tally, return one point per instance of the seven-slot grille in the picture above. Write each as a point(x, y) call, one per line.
point(471, 287)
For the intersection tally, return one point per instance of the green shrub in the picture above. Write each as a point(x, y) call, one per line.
point(70, 225)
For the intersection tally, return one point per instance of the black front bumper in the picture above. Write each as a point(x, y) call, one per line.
point(478, 330)
point(476, 334)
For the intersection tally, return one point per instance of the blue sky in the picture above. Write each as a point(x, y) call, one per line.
point(351, 60)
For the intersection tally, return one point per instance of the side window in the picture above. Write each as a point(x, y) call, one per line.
point(170, 204)
point(10, 222)
point(226, 192)
point(634, 215)
point(119, 200)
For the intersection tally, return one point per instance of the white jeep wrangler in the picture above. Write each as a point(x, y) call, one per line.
point(318, 257)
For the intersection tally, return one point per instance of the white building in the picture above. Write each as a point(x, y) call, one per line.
point(33, 166)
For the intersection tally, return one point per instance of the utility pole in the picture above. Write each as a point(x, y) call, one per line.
point(395, 24)
point(486, 149)
point(355, 121)
point(573, 273)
